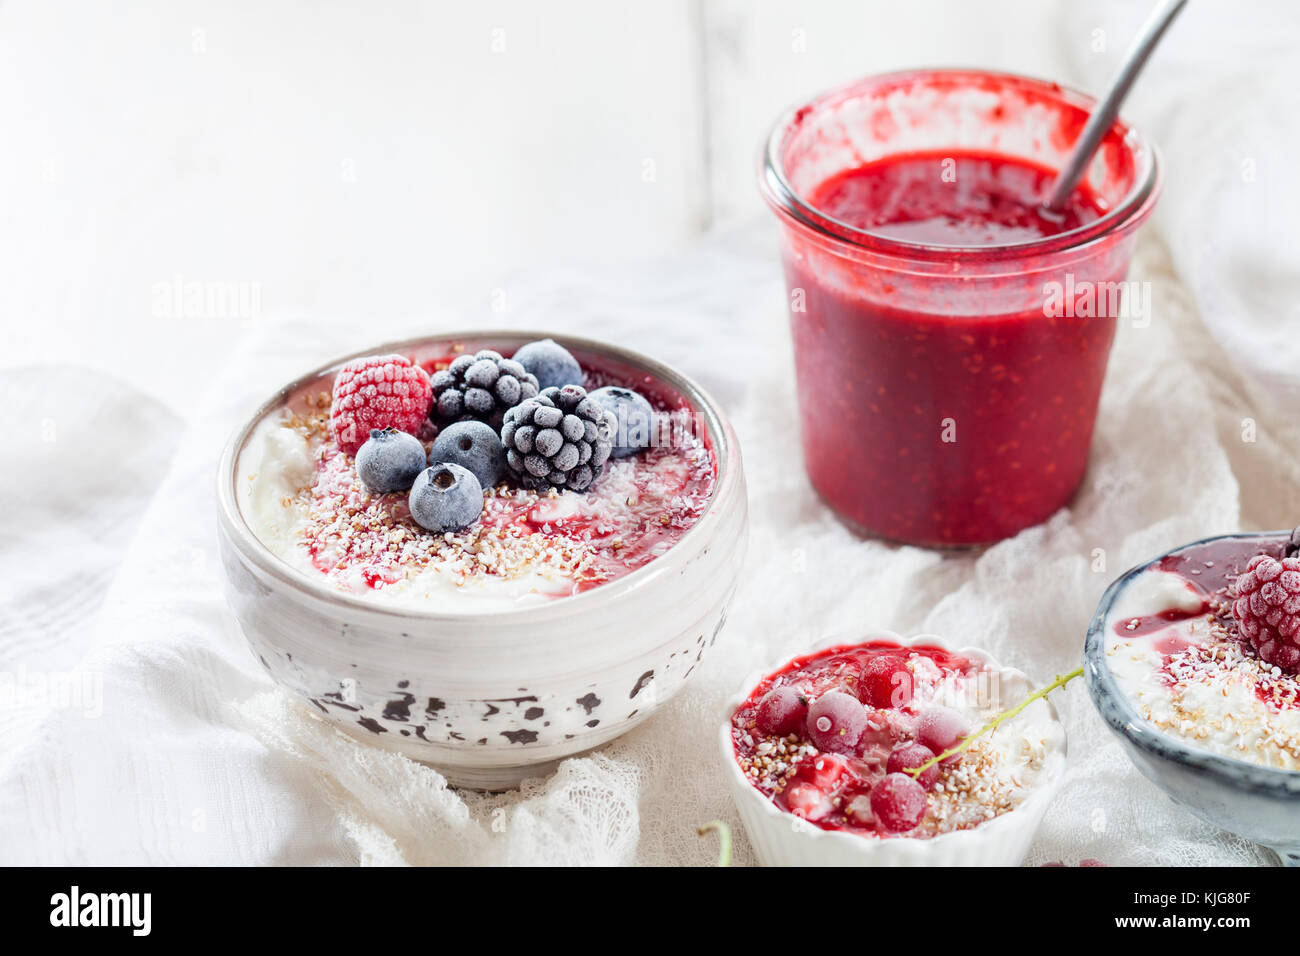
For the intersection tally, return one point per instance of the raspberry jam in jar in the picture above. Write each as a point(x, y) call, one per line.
point(950, 337)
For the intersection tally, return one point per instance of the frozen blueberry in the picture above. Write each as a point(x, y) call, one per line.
point(551, 363)
point(446, 497)
point(389, 460)
point(473, 445)
point(635, 419)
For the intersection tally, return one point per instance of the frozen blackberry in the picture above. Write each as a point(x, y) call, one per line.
point(480, 387)
point(560, 439)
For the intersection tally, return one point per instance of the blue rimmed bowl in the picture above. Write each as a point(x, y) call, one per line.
point(1258, 803)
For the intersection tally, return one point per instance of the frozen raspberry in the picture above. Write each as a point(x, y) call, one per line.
point(781, 711)
point(898, 802)
point(886, 682)
point(823, 771)
point(835, 722)
point(379, 391)
point(941, 729)
point(806, 801)
point(1267, 609)
point(909, 757)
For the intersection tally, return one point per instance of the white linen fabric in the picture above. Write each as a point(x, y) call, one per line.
point(188, 754)
point(1218, 97)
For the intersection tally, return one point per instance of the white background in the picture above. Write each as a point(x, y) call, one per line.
point(353, 158)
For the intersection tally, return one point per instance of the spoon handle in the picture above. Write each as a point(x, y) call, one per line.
point(1104, 115)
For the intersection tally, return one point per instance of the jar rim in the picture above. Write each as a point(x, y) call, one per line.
point(786, 201)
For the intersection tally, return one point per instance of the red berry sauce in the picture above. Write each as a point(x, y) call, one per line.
point(952, 199)
point(929, 416)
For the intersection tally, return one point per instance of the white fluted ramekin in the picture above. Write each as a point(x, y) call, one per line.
point(782, 839)
point(492, 697)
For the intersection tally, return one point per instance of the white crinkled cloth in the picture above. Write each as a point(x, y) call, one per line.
point(1219, 98)
point(186, 753)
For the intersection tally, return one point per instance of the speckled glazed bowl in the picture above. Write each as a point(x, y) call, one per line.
point(1261, 804)
point(781, 839)
point(492, 697)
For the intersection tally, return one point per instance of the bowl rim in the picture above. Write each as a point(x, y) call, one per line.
point(1044, 791)
point(784, 199)
point(1123, 719)
point(727, 484)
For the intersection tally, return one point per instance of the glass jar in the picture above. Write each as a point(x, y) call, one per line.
point(947, 394)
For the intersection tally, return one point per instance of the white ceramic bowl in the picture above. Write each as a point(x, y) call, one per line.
point(491, 697)
point(781, 839)
point(1258, 803)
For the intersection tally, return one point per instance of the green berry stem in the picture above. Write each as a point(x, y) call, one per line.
point(724, 839)
point(996, 722)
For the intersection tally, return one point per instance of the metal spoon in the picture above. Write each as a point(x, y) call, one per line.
point(1104, 115)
